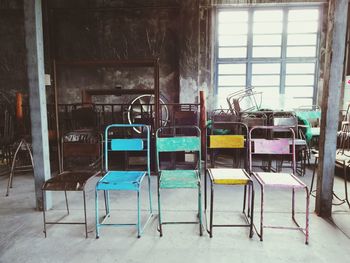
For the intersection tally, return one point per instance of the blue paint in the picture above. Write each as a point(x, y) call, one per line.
point(127, 145)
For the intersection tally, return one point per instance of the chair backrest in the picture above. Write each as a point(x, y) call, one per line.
point(224, 115)
point(284, 119)
point(81, 147)
point(254, 119)
point(272, 146)
point(114, 143)
point(236, 138)
point(170, 142)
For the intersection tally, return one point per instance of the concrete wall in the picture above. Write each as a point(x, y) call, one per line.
point(13, 75)
point(105, 30)
point(179, 32)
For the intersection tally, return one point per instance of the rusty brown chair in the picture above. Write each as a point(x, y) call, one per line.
point(81, 160)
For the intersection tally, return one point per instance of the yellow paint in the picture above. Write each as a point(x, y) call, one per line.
point(229, 176)
point(226, 141)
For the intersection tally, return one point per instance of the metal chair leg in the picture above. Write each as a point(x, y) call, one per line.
point(307, 217)
point(205, 190)
point(346, 185)
point(85, 217)
point(200, 209)
point(44, 216)
point(252, 211)
point(65, 195)
point(313, 175)
point(293, 204)
point(96, 215)
point(244, 199)
point(211, 209)
point(150, 195)
point(9, 183)
point(159, 215)
point(262, 214)
point(138, 215)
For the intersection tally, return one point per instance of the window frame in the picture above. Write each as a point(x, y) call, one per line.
point(283, 60)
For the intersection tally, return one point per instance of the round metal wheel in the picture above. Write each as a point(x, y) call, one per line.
point(142, 110)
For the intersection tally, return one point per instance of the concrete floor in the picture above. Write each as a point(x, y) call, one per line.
point(22, 239)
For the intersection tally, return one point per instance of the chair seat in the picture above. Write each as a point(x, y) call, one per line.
point(179, 179)
point(121, 180)
point(279, 180)
point(228, 176)
point(69, 181)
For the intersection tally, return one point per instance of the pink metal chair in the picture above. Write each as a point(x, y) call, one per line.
point(273, 147)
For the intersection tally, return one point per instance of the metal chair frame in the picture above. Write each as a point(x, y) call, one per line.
point(111, 181)
point(343, 159)
point(286, 181)
point(289, 119)
point(22, 145)
point(243, 181)
point(65, 183)
point(179, 144)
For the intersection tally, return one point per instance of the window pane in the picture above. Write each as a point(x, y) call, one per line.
point(302, 27)
point(299, 80)
point(268, 68)
point(267, 27)
point(266, 52)
point(267, 40)
point(301, 51)
point(265, 80)
point(270, 97)
point(302, 39)
point(303, 15)
point(293, 103)
point(236, 40)
point(232, 69)
point(233, 16)
point(233, 80)
point(299, 91)
point(301, 68)
point(268, 15)
point(233, 29)
point(238, 52)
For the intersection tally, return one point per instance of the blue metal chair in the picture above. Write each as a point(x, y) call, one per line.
point(179, 177)
point(124, 180)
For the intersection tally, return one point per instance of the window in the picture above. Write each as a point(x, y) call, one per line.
point(272, 50)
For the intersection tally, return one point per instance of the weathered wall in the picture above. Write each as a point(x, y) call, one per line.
point(13, 75)
point(189, 51)
point(114, 30)
point(179, 32)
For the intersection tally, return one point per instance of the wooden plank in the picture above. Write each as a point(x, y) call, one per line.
point(333, 75)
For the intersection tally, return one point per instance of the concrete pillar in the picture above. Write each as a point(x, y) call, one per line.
point(333, 74)
point(37, 96)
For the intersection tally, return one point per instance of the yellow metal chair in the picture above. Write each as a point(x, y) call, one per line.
point(235, 141)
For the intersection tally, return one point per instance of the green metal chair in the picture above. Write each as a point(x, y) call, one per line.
point(172, 176)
